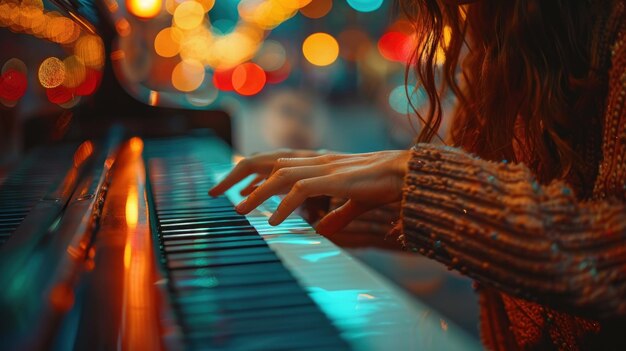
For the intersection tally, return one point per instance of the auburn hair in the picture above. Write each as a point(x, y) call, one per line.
point(511, 64)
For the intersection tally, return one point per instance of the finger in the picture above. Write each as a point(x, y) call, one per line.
point(279, 183)
point(341, 217)
point(238, 173)
point(252, 185)
point(289, 162)
point(303, 189)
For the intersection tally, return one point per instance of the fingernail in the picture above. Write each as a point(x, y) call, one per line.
point(273, 221)
point(241, 207)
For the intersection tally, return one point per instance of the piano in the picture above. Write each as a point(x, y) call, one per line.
point(110, 241)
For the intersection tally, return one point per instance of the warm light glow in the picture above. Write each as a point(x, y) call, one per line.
point(320, 49)
point(167, 42)
point(91, 50)
point(60, 94)
point(75, 71)
point(144, 9)
point(136, 145)
point(132, 205)
point(153, 98)
point(82, 153)
point(248, 79)
point(207, 5)
point(13, 84)
point(317, 8)
point(51, 72)
point(396, 46)
point(122, 26)
point(188, 15)
point(188, 75)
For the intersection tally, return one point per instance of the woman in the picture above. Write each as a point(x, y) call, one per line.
point(530, 198)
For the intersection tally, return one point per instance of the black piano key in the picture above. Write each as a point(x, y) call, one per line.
point(229, 289)
point(221, 261)
point(173, 242)
point(214, 246)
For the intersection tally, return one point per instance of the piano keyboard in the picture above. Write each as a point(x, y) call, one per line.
point(27, 185)
point(229, 289)
point(143, 258)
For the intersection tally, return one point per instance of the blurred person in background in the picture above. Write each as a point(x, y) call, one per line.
point(528, 197)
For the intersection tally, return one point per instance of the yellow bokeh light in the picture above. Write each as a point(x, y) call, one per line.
point(144, 8)
point(188, 15)
point(91, 50)
point(75, 71)
point(320, 49)
point(188, 75)
point(167, 42)
point(51, 72)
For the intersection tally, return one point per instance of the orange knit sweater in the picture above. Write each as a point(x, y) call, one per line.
point(551, 265)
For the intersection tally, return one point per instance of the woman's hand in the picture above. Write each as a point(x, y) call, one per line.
point(366, 180)
point(260, 164)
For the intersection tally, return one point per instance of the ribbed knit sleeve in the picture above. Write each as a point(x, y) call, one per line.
point(495, 223)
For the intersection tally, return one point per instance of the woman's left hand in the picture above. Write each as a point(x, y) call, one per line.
point(367, 180)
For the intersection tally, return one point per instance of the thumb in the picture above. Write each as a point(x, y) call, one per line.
point(340, 217)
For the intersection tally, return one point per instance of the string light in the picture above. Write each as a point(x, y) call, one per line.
point(144, 9)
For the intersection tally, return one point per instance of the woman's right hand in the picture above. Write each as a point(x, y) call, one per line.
point(261, 164)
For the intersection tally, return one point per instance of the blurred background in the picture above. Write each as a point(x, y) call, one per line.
point(288, 73)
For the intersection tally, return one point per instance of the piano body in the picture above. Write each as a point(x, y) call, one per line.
point(108, 240)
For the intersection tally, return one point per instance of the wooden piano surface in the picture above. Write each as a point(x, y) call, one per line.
point(111, 285)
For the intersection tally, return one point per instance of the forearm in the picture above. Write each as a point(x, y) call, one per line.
point(494, 222)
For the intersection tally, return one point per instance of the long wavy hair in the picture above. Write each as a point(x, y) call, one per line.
point(513, 65)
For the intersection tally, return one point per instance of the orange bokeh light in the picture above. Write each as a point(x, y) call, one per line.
point(248, 79)
point(188, 75)
point(167, 42)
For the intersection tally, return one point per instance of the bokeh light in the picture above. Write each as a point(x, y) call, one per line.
point(51, 72)
point(60, 94)
point(399, 101)
point(271, 56)
point(167, 42)
point(320, 49)
point(13, 84)
point(365, 5)
point(317, 8)
point(248, 79)
point(396, 46)
point(188, 15)
point(90, 84)
point(14, 64)
point(187, 75)
point(144, 9)
point(75, 71)
point(91, 50)
point(223, 79)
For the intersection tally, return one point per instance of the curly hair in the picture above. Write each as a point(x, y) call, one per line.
point(511, 64)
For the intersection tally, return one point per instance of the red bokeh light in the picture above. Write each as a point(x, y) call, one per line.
point(90, 84)
point(396, 46)
point(248, 79)
point(223, 79)
point(60, 94)
point(279, 75)
point(13, 85)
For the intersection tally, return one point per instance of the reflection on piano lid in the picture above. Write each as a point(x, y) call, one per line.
point(137, 256)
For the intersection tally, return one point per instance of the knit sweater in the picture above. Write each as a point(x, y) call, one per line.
point(551, 265)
